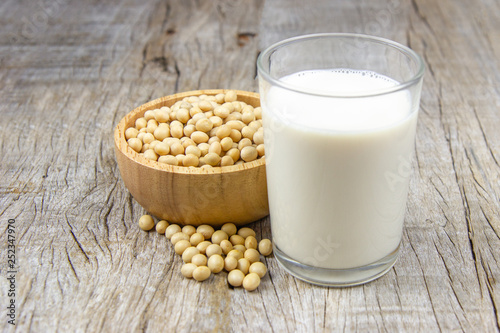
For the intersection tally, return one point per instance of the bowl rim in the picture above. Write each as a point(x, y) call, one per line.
point(122, 145)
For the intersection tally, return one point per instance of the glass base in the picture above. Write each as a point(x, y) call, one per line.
point(337, 277)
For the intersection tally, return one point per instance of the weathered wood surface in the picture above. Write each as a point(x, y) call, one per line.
point(71, 69)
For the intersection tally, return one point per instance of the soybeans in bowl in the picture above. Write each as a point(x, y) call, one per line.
point(196, 157)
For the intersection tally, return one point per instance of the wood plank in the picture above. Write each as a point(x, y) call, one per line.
point(69, 71)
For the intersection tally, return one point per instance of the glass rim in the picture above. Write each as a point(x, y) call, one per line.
point(266, 54)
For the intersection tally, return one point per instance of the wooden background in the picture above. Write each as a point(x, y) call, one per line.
point(69, 70)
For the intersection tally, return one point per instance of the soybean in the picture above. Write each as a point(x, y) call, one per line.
point(251, 282)
point(146, 222)
point(216, 263)
point(265, 247)
point(201, 273)
point(235, 278)
point(161, 227)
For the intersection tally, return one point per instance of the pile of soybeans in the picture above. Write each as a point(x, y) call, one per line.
point(206, 251)
point(200, 131)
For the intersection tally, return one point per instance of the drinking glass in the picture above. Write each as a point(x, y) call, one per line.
point(339, 117)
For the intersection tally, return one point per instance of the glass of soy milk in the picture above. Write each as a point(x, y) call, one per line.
point(339, 116)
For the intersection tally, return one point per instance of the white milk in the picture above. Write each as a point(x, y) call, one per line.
point(337, 168)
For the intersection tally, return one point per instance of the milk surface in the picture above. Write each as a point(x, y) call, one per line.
point(337, 167)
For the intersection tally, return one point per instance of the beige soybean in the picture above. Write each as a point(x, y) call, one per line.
point(196, 239)
point(162, 114)
point(247, 117)
point(243, 265)
point(188, 253)
point(183, 115)
point(188, 130)
point(171, 230)
point(206, 230)
point(235, 124)
point(199, 137)
point(135, 144)
point(235, 253)
point(235, 135)
point(216, 122)
point(252, 255)
point(237, 239)
point(162, 132)
point(215, 147)
point(260, 150)
point(244, 143)
point(229, 228)
point(162, 148)
point(141, 123)
point(168, 159)
point(219, 98)
point(179, 236)
point(245, 232)
point(258, 137)
point(161, 227)
point(190, 160)
point(131, 132)
point(265, 247)
point(204, 125)
point(219, 236)
point(235, 278)
point(216, 263)
point(226, 246)
point(212, 159)
point(229, 106)
point(188, 269)
point(180, 158)
point(231, 96)
point(194, 150)
point(148, 138)
point(176, 148)
point(251, 242)
point(146, 222)
point(259, 268)
point(153, 144)
point(203, 246)
point(234, 153)
point(150, 154)
point(213, 249)
point(201, 273)
point(149, 114)
point(204, 148)
point(251, 282)
point(240, 248)
point(199, 259)
point(188, 230)
point(248, 132)
point(255, 124)
point(187, 142)
point(223, 131)
point(181, 246)
point(249, 154)
point(152, 126)
point(230, 263)
point(258, 112)
point(226, 161)
point(226, 143)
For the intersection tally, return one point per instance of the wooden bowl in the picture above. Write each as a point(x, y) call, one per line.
point(195, 196)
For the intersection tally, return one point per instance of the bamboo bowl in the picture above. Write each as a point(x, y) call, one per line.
point(195, 196)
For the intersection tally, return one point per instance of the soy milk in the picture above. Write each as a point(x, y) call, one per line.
point(344, 160)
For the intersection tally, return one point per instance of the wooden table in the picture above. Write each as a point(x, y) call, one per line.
point(70, 70)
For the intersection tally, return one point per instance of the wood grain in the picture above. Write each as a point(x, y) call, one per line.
point(70, 70)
